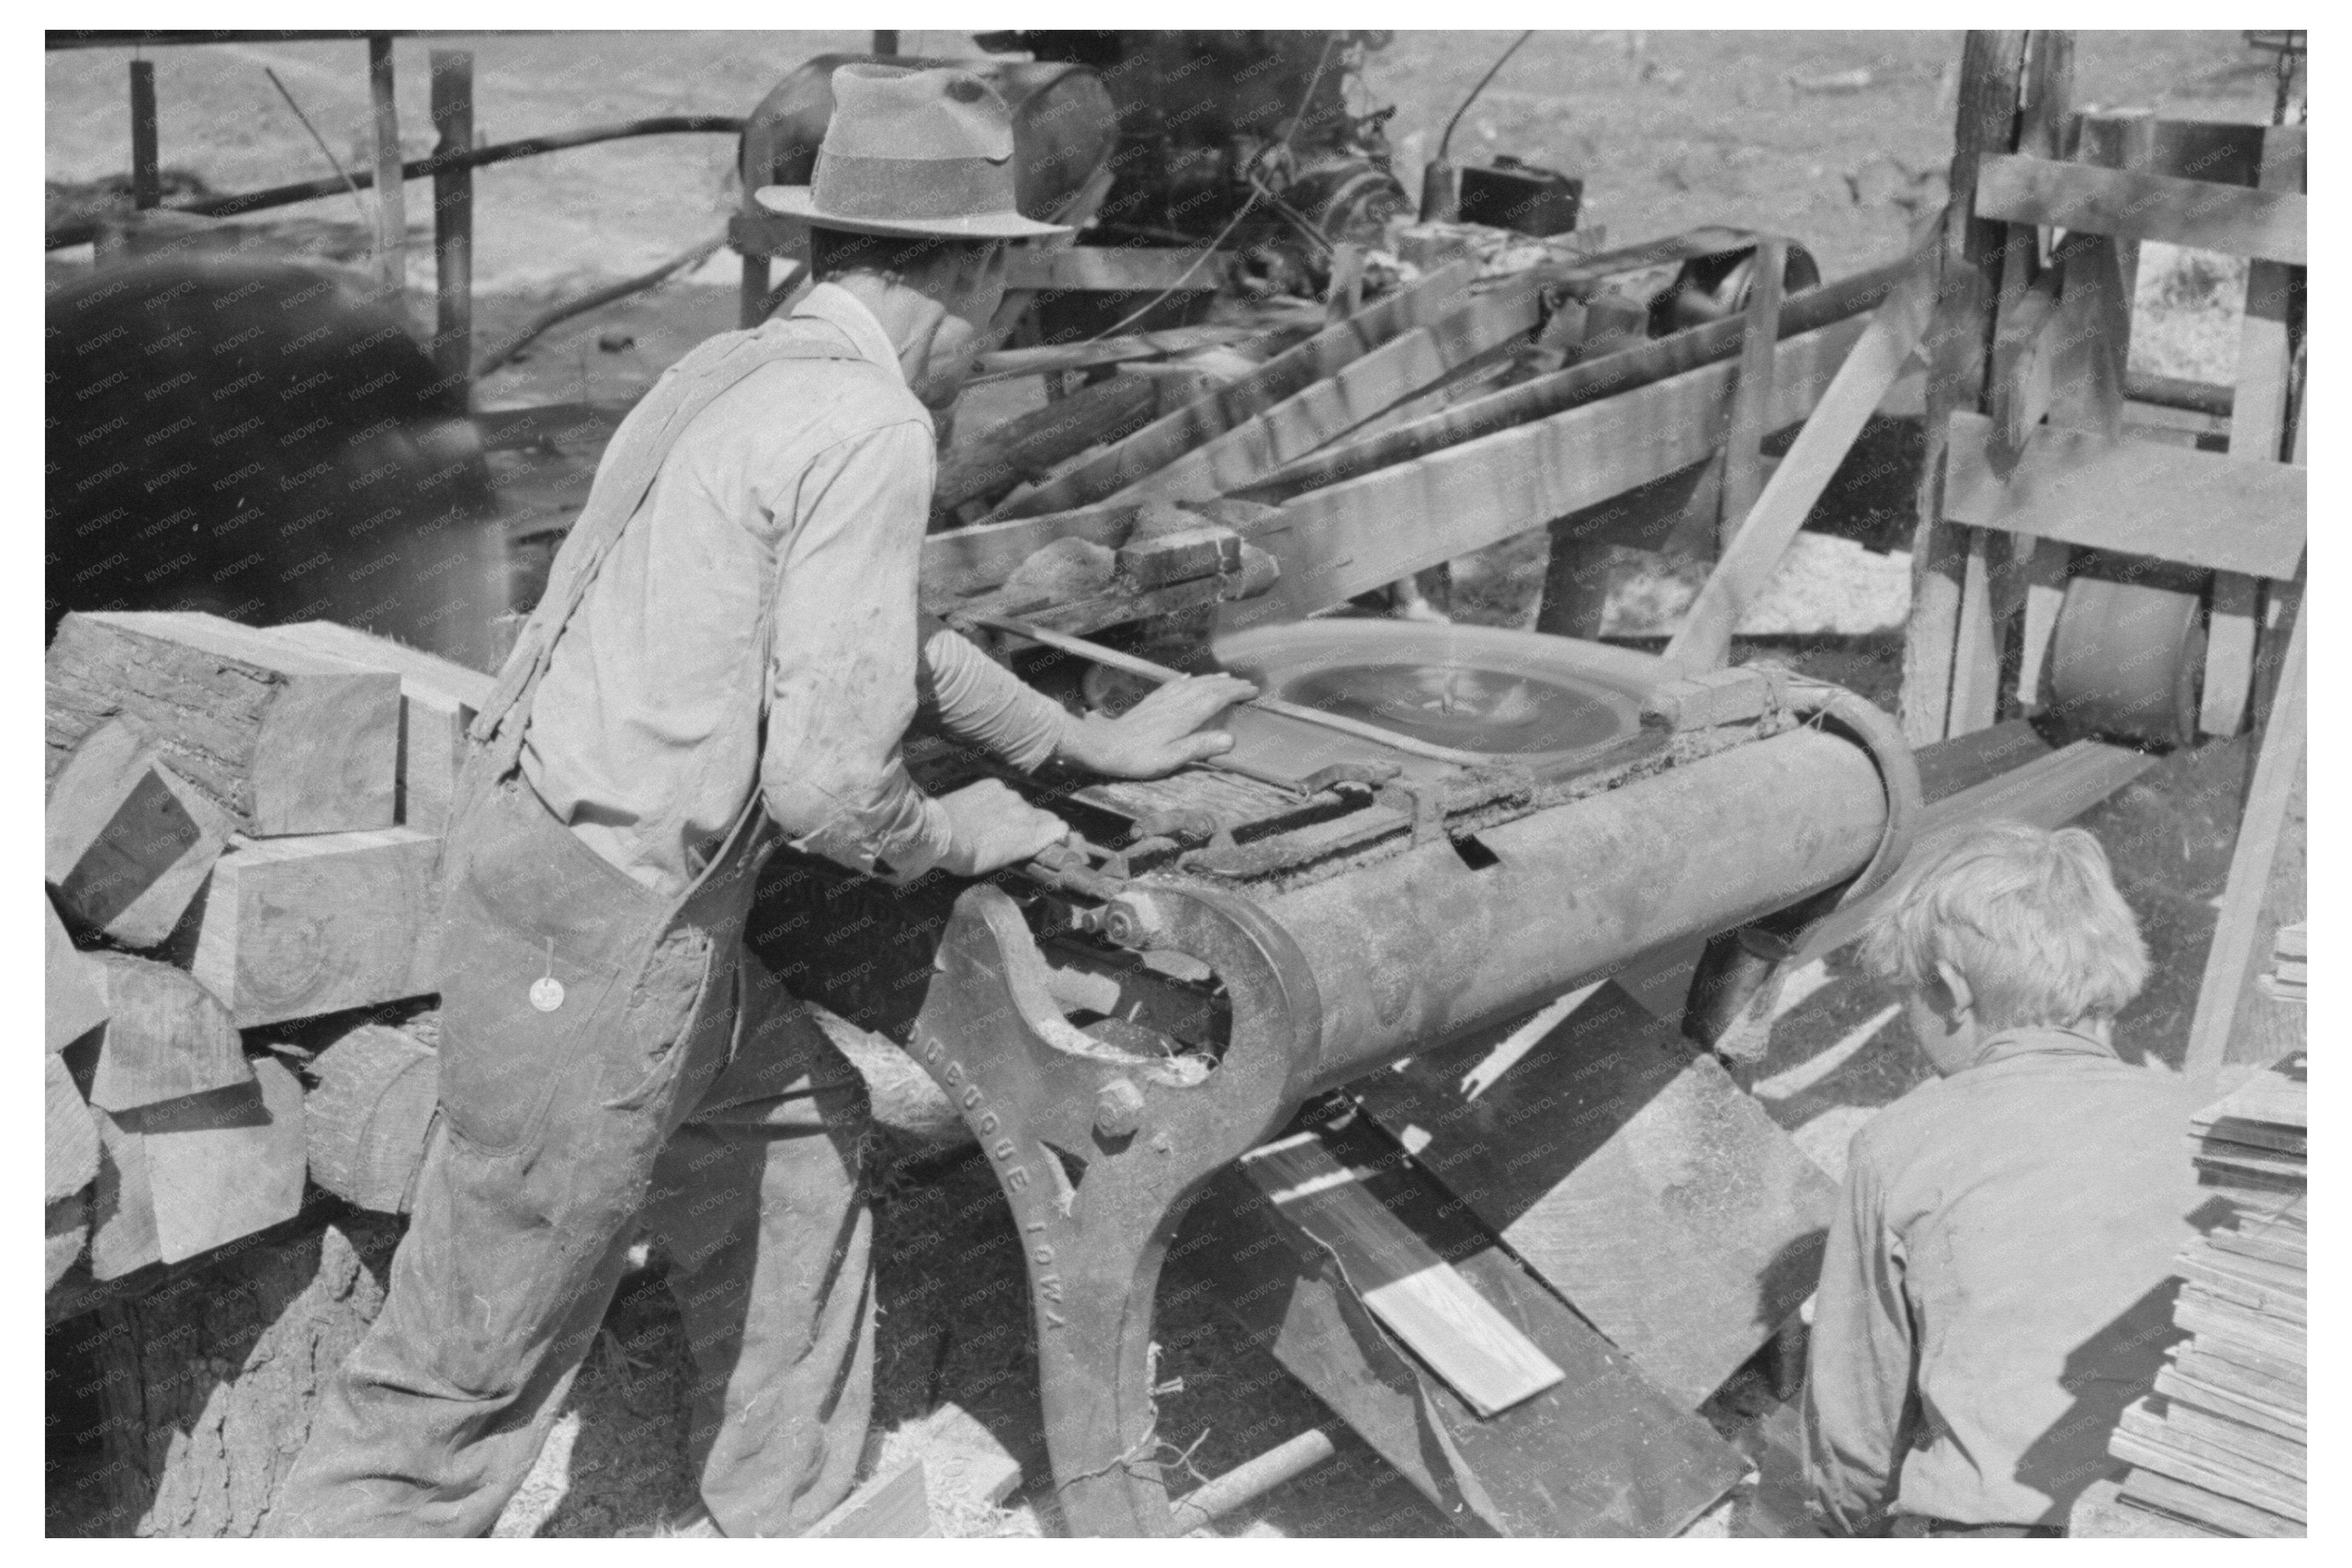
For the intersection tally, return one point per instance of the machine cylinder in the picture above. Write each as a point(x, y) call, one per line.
point(1412, 952)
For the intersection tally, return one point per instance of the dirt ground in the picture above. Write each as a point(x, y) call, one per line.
point(1669, 130)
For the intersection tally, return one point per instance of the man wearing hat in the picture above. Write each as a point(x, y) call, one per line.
point(728, 654)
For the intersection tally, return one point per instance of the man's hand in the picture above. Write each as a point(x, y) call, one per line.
point(1161, 733)
point(990, 827)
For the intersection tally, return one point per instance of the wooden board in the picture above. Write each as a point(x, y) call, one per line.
point(2182, 1389)
point(2198, 508)
point(167, 1036)
point(2268, 225)
point(68, 1137)
point(285, 742)
point(66, 1232)
point(1164, 440)
point(1633, 1177)
point(1343, 540)
point(438, 698)
point(2282, 1496)
point(1339, 403)
point(1027, 446)
point(1743, 471)
point(185, 1176)
point(2099, 1512)
point(1408, 1286)
point(126, 842)
point(895, 1505)
point(294, 926)
point(1118, 269)
point(2288, 1456)
point(2226, 1514)
point(73, 995)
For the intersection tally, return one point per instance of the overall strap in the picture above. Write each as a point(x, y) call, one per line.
point(624, 477)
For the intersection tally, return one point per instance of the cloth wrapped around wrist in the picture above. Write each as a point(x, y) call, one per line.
point(980, 702)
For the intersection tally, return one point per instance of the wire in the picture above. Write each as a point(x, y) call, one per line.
point(1444, 141)
point(331, 162)
point(1313, 81)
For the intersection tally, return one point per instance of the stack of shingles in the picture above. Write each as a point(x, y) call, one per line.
point(242, 831)
point(2223, 1441)
point(2288, 979)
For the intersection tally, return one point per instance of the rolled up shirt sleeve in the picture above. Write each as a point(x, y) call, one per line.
point(843, 670)
point(1859, 1407)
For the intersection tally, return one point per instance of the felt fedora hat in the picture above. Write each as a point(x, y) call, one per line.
point(914, 152)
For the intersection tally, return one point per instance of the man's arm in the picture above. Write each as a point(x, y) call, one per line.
point(1860, 1366)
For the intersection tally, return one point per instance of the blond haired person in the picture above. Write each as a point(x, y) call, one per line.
point(1997, 1286)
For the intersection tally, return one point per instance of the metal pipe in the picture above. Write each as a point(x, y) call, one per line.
point(419, 168)
point(1589, 382)
point(1411, 952)
point(1251, 1479)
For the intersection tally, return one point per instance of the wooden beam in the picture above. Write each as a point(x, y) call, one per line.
point(165, 1036)
point(296, 927)
point(1341, 541)
point(68, 1137)
point(283, 741)
point(2135, 496)
point(2268, 225)
point(2249, 918)
point(438, 698)
point(73, 994)
point(126, 842)
point(1118, 269)
point(1743, 472)
point(1001, 364)
point(1959, 338)
point(1357, 392)
point(391, 214)
point(146, 169)
point(1748, 561)
point(1164, 440)
point(1028, 446)
point(894, 1505)
point(188, 1175)
point(453, 218)
point(1408, 1286)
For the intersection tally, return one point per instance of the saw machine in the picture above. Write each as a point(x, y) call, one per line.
point(1422, 831)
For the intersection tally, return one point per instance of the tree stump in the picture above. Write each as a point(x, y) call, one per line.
point(210, 1382)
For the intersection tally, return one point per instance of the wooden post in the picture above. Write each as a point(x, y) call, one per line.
point(885, 41)
point(146, 174)
point(1958, 345)
point(1743, 461)
point(758, 166)
point(391, 210)
point(452, 215)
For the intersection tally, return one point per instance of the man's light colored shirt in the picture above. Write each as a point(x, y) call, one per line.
point(804, 490)
point(1997, 1285)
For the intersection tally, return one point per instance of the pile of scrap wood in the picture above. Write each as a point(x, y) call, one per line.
point(2222, 1443)
point(242, 845)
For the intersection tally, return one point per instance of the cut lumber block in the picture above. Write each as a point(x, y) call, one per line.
point(1748, 561)
point(283, 741)
point(68, 1136)
point(438, 698)
point(896, 1505)
point(1341, 540)
point(167, 1036)
point(185, 1176)
point(73, 994)
point(2202, 509)
point(2269, 225)
point(295, 927)
point(965, 1468)
point(126, 841)
point(1417, 1294)
point(66, 1233)
point(1582, 1156)
point(366, 1121)
point(1164, 440)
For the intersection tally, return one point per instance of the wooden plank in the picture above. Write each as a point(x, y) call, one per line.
point(2204, 1313)
point(296, 927)
point(2242, 933)
point(68, 1137)
point(2182, 1389)
point(2044, 575)
point(1408, 1286)
point(285, 742)
point(1341, 541)
point(2099, 1512)
point(1027, 447)
point(126, 842)
point(894, 1506)
point(1118, 269)
point(191, 1175)
point(1164, 440)
point(2201, 509)
point(2280, 1497)
point(1968, 249)
point(1584, 1157)
point(965, 1466)
point(2227, 1514)
point(1743, 474)
point(2285, 1455)
point(1975, 701)
point(165, 1036)
point(73, 994)
point(1001, 364)
point(2267, 224)
point(2217, 1363)
point(438, 698)
point(1748, 561)
point(1338, 403)
point(66, 1233)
